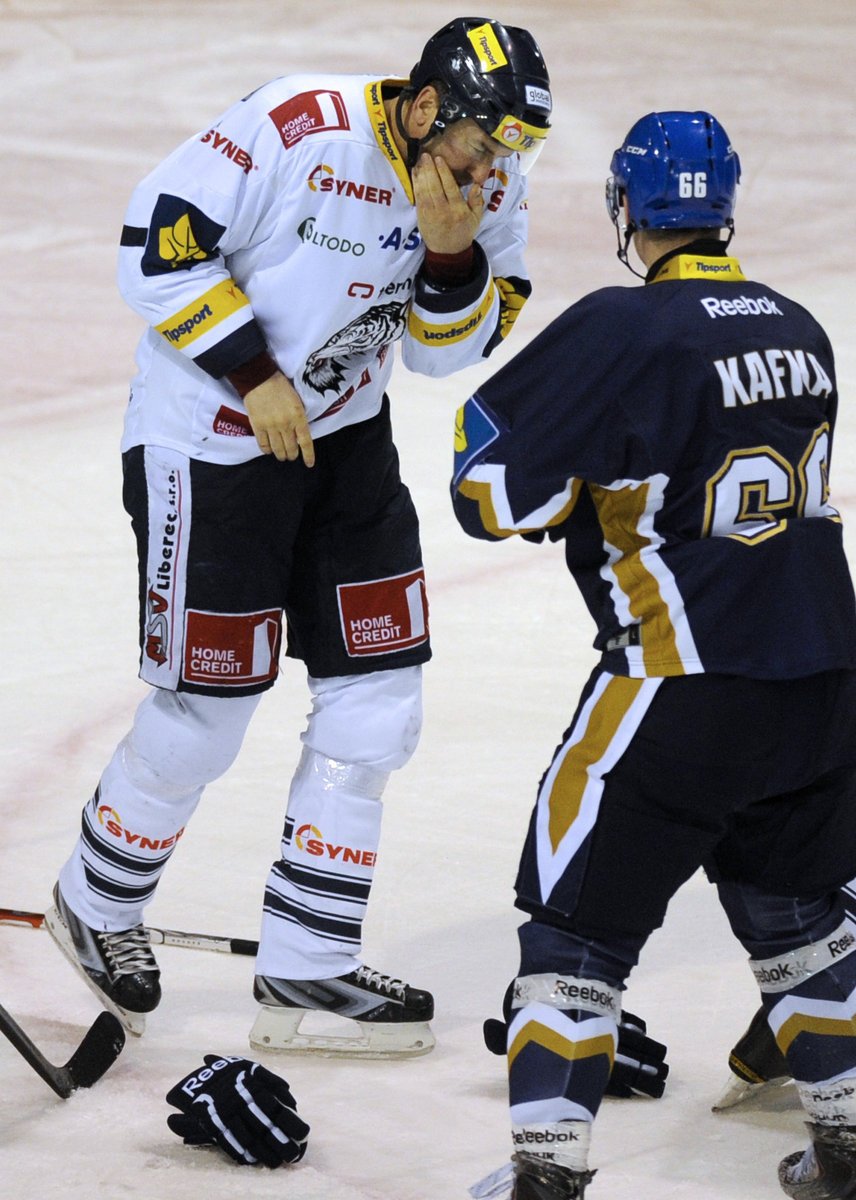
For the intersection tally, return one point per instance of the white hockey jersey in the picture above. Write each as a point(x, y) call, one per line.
point(290, 225)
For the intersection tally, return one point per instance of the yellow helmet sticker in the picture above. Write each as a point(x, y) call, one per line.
point(487, 47)
point(518, 135)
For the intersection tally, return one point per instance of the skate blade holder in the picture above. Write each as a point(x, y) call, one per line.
point(740, 1091)
point(134, 1023)
point(279, 1029)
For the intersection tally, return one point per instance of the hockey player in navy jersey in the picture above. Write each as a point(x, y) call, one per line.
point(277, 257)
point(676, 438)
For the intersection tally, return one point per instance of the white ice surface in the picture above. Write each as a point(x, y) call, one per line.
point(92, 94)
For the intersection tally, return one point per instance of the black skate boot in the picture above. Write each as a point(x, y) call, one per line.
point(757, 1064)
point(119, 967)
point(537, 1177)
point(390, 1018)
point(827, 1170)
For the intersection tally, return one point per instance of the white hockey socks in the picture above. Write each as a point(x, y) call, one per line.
point(316, 894)
point(146, 796)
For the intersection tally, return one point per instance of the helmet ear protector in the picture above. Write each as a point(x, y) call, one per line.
point(495, 75)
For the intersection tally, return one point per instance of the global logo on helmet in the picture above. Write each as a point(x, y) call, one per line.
point(539, 97)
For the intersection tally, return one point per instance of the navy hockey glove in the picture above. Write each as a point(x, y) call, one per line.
point(241, 1107)
point(640, 1066)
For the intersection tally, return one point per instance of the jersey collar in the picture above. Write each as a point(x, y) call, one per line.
point(704, 259)
point(382, 131)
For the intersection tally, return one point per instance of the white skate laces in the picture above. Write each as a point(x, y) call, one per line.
point(380, 983)
point(127, 951)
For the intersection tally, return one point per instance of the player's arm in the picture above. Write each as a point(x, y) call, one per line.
point(183, 222)
point(473, 280)
point(497, 487)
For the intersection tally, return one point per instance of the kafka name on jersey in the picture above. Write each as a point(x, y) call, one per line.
point(771, 375)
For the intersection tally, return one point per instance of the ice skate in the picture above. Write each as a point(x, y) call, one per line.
point(826, 1170)
point(537, 1177)
point(757, 1065)
point(387, 1018)
point(119, 967)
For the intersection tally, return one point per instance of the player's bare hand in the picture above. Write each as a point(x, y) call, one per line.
point(447, 219)
point(279, 421)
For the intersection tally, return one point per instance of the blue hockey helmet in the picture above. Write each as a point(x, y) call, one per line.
point(677, 171)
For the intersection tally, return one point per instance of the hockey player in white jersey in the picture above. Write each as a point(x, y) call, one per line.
point(277, 256)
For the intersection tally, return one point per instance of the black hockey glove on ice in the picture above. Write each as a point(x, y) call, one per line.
point(241, 1107)
point(640, 1066)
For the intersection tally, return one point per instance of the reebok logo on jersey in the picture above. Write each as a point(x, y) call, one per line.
point(743, 306)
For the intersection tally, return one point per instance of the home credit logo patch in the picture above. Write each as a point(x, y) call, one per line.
point(384, 615)
point(231, 650)
point(310, 112)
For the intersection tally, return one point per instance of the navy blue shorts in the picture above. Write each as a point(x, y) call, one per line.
point(755, 780)
point(225, 551)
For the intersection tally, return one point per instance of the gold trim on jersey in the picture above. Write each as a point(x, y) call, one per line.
point(383, 133)
point(620, 513)
point(489, 495)
point(572, 778)
point(700, 266)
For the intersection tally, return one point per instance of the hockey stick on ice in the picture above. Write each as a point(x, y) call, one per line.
point(159, 937)
point(99, 1049)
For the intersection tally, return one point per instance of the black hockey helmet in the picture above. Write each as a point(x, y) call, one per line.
point(494, 74)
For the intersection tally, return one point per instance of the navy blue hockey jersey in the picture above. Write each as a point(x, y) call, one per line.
point(677, 436)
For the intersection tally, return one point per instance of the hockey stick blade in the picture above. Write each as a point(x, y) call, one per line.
point(158, 937)
point(99, 1049)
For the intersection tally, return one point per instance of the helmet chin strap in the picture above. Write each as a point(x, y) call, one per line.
point(630, 229)
point(413, 145)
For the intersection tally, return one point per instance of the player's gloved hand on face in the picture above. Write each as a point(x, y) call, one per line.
point(241, 1107)
point(640, 1067)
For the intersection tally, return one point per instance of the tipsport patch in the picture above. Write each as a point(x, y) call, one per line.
point(486, 45)
point(384, 615)
point(231, 649)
